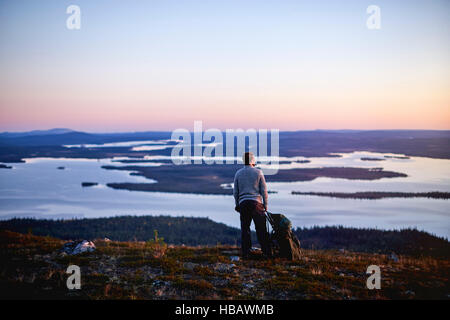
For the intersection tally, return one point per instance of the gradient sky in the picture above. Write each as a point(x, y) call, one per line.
point(160, 65)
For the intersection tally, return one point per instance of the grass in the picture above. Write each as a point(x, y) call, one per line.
point(33, 267)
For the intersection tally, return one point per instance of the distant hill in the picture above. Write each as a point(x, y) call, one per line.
point(407, 241)
point(175, 230)
point(318, 143)
point(51, 139)
point(35, 133)
point(425, 143)
point(203, 231)
point(59, 137)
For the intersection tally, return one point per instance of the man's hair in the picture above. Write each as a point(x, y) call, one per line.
point(248, 158)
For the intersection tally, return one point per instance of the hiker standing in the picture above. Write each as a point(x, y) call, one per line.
point(250, 194)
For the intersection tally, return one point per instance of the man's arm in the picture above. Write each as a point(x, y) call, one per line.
point(263, 189)
point(236, 190)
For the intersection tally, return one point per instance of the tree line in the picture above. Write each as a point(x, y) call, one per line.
point(203, 231)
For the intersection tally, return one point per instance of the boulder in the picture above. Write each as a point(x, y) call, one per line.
point(190, 265)
point(223, 267)
point(77, 247)
point(394, 257)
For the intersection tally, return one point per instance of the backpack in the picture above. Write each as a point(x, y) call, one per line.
point(282, 238)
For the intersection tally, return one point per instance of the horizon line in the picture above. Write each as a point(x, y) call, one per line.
point(168, 130)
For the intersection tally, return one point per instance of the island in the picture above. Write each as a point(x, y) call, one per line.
point(397, 157)
point(89, 184)
point(373, 195)
point(210, 179)
point(372, 159)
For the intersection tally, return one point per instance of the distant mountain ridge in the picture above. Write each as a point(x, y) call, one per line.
point(60, 136)
point(35, 133)
point(316, 143)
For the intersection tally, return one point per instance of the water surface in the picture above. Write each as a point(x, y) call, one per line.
point(38, 189)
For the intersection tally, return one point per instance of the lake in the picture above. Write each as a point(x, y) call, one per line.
point(38, 189)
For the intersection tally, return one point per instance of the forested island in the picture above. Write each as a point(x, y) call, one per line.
point(207, 179)
point(89, 184)
point(372, 159)
point(373, 195)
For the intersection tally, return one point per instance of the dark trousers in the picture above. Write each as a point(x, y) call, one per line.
point(253, 210)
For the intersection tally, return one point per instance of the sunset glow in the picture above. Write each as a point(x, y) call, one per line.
point(161, 65)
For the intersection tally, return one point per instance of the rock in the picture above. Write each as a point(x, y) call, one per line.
point(223, 267)
point(160, 283)
point(220, 282)
point(30, 279)
point(410, 293)
point(190, 265)
point(231, 252)
point(394, 257)
point(248, 285)
point(77, 247)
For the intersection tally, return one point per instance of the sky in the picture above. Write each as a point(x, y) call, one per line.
point(160, 65)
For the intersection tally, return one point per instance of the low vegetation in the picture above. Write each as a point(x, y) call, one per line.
point(203, 231)
point(407, 241)
point(34, 267)
point(175, 230)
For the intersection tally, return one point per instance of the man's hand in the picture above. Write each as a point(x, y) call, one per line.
point(237, 209)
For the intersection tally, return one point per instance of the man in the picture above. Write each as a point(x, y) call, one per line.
point(250, 194)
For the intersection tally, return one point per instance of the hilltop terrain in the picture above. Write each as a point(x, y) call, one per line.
point(203, 231)
point(34, 267)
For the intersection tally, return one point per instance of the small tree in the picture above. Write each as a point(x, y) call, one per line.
point(156, 246)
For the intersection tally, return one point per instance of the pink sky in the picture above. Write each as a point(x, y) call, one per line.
point(289, 66)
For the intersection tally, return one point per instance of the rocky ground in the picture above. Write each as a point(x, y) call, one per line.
point(35, 267)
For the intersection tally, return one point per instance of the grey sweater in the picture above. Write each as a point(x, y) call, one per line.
point(250, 184)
